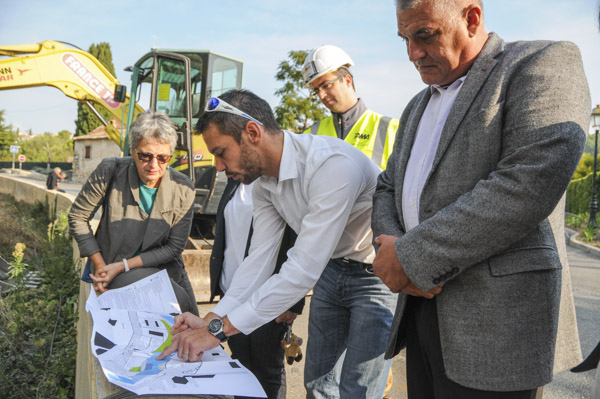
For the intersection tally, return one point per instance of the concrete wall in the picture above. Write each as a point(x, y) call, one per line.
point(31, 192)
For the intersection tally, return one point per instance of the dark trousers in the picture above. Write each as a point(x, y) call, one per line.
point(425, 373)
point(261, 353)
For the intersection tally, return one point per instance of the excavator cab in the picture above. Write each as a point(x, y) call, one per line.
point(179, 83)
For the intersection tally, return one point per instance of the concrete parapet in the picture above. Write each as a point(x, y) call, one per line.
point(30, 192)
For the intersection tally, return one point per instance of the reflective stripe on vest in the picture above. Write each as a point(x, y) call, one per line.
point(382, 131)
point(373, 147)
point(314, 129)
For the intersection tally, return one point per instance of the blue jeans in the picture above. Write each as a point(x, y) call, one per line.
point(351, 313)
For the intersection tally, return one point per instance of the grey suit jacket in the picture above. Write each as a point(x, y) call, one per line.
point(126, 228)
point(487, 230)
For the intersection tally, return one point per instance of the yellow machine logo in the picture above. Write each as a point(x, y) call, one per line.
point(95, 84)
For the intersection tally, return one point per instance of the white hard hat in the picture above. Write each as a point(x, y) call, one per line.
point(322, 60)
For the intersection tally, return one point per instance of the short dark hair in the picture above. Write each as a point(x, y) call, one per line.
point(233, 125)
point(343, 71)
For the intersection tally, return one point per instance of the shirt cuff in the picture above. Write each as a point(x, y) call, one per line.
point(225, 306)
point(245, 318)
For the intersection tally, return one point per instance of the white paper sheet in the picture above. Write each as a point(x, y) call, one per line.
point(126, 341)
point(151, 294)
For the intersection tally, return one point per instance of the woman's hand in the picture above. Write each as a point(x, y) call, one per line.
point(105, 274)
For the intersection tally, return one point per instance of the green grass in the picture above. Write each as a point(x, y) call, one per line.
point(37, 325)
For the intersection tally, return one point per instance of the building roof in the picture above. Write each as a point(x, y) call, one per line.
point(99, 133)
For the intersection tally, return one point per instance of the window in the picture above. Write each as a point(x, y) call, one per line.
point(225, 76)
point(88, 152)
point(171, 87)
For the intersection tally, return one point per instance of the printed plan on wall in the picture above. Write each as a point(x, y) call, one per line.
point(132, 326)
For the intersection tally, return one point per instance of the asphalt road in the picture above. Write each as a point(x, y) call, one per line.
point(585, 276)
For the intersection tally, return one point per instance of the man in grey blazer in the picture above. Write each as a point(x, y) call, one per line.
point(471, 202)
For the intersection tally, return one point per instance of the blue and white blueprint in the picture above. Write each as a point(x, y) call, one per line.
point(126, 342)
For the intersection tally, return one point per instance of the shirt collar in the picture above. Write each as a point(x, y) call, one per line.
point(287, 166)
point(457, 83)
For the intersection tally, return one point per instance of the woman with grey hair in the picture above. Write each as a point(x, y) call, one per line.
point(147, 213)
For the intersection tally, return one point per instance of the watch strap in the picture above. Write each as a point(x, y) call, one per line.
point(221, 336)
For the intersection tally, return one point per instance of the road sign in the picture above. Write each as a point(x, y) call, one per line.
point(14, 149)
point(21, 158)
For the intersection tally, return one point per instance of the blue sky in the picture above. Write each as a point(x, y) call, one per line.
point(261, 33)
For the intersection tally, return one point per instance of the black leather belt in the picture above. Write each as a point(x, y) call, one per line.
point(368, 267)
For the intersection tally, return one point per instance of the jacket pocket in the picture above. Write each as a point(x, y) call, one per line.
point(524, 260)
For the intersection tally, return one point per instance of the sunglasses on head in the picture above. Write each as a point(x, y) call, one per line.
point(160, 158)
point(216, 104)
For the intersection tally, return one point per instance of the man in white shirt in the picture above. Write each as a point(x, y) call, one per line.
point(322, 188)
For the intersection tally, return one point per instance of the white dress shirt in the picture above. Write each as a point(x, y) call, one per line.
point(325, 194)
point(238, 218)
point(424, 148)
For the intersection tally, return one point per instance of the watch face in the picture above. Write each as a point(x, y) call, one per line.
point(215, 325)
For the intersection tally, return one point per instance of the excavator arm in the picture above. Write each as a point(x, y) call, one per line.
point(76, 73)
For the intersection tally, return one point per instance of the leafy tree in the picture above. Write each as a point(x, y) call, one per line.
point(86, 120)
point(49, 147)
point(586, 166)
point(8, 137)
point(297, 110)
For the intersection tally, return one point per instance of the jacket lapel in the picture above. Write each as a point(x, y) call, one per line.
point(474, 82)
point(219, 242)
point(134, 181)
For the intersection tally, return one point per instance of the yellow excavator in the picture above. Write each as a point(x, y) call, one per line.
point(76, 73)
point(177, 82)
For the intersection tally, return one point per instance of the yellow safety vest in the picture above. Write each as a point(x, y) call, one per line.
point(373, 134)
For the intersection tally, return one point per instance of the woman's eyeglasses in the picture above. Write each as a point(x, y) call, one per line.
point(160, 158)
point(216, 104)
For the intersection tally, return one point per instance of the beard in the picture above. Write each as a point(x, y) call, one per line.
point(250, 164)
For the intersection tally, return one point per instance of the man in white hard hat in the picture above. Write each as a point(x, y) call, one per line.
point(326, 71)
point(330, 357)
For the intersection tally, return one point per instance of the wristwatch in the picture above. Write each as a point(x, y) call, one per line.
point(215, 327)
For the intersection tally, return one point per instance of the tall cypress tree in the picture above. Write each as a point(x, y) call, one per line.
point(86, 120)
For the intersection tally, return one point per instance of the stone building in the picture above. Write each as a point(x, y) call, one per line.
point(90, 149)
